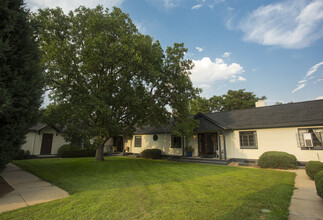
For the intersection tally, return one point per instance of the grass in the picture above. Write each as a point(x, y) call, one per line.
point(122, 188)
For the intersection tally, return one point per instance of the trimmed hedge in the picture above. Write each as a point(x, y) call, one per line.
point(319, 183)
point(75, 151)
point(277, 159)
point(313, 167)
point(22, 155)
point(151, 153)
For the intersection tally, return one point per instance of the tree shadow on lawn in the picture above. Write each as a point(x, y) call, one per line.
point(78, 175)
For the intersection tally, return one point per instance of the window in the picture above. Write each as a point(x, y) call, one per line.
point(137, 141)
point(310, 138)
point(248, 140)
point(176, 142)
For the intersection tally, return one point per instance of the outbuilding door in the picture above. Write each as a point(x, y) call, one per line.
point(46, 145)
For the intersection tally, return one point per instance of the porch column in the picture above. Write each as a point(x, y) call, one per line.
point(219, 142)
point(224, 146)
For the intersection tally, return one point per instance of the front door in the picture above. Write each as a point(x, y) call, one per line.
point(46, 145)
point(118, 142)
point(207, 144)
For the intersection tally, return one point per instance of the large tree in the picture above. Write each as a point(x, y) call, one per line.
point(105, 77)
point(20, 78)
point(233, 100)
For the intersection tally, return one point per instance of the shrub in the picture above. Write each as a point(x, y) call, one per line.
point(313, 167)
point(151, 153)
point(68, 150)
point(20, 155)
point(319, 183)
point(277, 159)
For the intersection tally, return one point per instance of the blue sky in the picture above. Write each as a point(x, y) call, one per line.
point(272, 48)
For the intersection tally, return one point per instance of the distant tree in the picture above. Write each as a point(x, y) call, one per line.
point(278, 103)
point(231, 101)
point(106, 78)
point(20, 78)
point(239, 100)
point(202, 104)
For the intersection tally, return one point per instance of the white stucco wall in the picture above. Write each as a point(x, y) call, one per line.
point(34, 141)
point(147, 142)
point(163, 143)
point(275, 139)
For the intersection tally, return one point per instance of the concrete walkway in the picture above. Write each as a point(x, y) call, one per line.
point(305, 203)
point(28, 189)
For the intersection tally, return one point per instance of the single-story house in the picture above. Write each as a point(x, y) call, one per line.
point(295, 128)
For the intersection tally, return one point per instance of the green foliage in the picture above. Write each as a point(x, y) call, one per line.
point(319, 183)
point(22, 155)
point(20, 78)
point(277, 159)
point(119, 186)
point(313, 167)
point(106, 77)
point(233, 100)
point(151, 153)
point(75, 151)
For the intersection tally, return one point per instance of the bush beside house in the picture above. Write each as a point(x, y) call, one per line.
point(22, 155)
point(68, 150)
point(319, 183)
point(277, 159)
point(313, 167)
point(151, 153)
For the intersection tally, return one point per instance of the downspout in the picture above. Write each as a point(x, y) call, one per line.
point(219, 141)
point(224, 146)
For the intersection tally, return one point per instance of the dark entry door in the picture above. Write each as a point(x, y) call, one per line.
point(46, 145)
point(118, 142)
point(207, 143)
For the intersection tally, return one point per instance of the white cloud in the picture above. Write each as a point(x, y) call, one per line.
point(236, 79)
point(68, 5)
point(320, 97)
point(308, 77)
point(299, 87)
point(288, 24)
point(200, 49)
point(170, 3)
point(196, 6)
point(206, 72)
point(313, 69)
point(226, 54)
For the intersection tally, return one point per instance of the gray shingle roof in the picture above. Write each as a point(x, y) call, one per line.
point(38, 126)
point(308, 113)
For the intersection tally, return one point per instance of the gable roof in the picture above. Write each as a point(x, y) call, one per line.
point(309, 113)
point(38, 126)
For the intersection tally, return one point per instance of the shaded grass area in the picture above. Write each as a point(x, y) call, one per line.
point(124, 188)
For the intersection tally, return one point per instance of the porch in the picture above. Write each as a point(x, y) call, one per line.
point(201, 159)
point(212, 145)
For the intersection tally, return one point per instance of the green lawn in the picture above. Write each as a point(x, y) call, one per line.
point(122, 188)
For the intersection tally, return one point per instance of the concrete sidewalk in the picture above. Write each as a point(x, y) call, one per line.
point(305, 203)
point(28, 189)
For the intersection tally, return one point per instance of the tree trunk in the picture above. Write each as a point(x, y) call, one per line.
point(99, 153)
